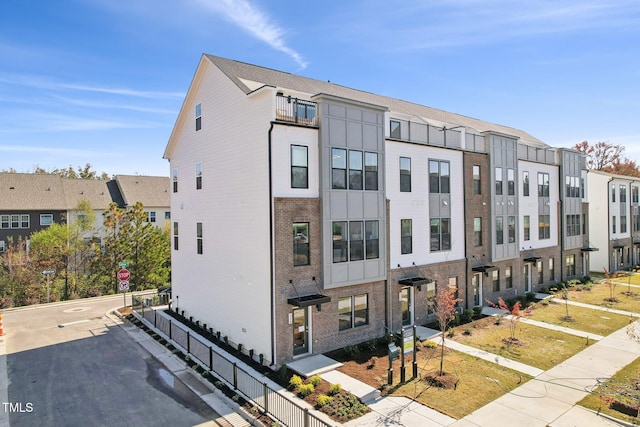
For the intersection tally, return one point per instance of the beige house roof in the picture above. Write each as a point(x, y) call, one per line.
point(243, 74)
point(22, 191)
point(91, 190)
point(149, 190)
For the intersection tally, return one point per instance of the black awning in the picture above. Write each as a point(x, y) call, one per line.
point(308, 300)
point(483, 268)
point(589, 249)
point(531, 258)
point(617, 246)
point(414, 281)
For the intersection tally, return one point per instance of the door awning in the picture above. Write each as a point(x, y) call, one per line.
point(414, 281)
point(309, 300)
point(483, 268)
point(531, 259)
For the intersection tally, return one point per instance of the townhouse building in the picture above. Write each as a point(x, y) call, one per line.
point(31, 202)
point(307, 216)
point(615, 220)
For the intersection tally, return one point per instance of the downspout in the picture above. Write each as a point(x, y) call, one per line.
point(609, 236)
point(271, 253)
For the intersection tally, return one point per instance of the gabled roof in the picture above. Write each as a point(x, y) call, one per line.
point(24, 191)
point(149, 190)
point(240, 72)
point(94, 191)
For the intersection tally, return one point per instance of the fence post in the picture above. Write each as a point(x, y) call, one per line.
point(235, 376)
point(210, 358)
point(306, 417)
point(188, 342)
point(266, 398)
point(170, 337)
point(155, 319)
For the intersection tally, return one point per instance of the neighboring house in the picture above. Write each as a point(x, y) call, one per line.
point(307, 216)
point(615, 220)
point(31, 202)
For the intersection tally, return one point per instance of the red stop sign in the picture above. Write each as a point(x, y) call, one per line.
point(123, 275)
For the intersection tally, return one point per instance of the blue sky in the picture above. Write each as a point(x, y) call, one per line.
point(102, 81)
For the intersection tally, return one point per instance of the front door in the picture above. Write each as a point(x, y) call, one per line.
point(300, 331)
point(405, 302)
point(527, 277)
point(476, 285)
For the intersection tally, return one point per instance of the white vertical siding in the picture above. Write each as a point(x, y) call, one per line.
point(282, 138)
point(598, 220)
point(529, 205)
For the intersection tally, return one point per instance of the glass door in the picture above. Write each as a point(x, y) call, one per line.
point(476, 285)
point(300, 331)
point(406, 307)
point(527, 277)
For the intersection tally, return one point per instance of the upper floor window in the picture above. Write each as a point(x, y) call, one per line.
point(511, 182)
point(370, 171)
point(499, 231)
point(2, 246)
point(439, 176)
point(175, 235)
point(623, 193)
point(338, 169)
point(301, 243)
point(508, 277)
point(525, 183)
point(543, 184)
point(477, 188)
point(406, 239)
point(477, 231)
point(151, 216)
point(15, 221)
point(613, 193)
point(440, 234)
point(495, 279)
point(174, 179)
point(25, 220)
point(199, 176)
point(634, 194)
point(572, 186)
point(613, 224)
point(511, 228)
point(394, 129)
point(355, 170)
point(544, 227)
point(299, 166)
point(45, 219)
point(405, 174)
point(355, 243)
point(198, 117)
point(199, 238)
point(527, 227)
point(167, 214)
point(4, 221)
point(372, 239)
point(498, 181)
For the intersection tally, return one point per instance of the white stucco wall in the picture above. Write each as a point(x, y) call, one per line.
point(528, 205)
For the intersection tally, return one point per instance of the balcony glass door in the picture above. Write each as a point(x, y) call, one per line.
point(300, 331)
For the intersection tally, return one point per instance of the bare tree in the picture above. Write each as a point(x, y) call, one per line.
point(602, 154)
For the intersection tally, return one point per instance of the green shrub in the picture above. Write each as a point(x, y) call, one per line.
point(335, 389)
point(477, 311)
point(351, 351)
point(323, 400)
point(466, 316)
point(530, 296)
point(315, 380)
point(371, 345)
point(430, 344)
point(295, 381)
point(544, 289)
point(305, 390)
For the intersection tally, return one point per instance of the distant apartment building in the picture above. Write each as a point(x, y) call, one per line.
point(307, 216)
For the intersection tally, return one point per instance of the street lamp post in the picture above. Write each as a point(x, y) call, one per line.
point(48, 273)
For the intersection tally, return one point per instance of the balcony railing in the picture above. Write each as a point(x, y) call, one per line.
point(295, 110)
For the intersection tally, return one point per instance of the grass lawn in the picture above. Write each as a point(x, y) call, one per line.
point(624, 381)
point(539, 347)
point(479, 382)
point(584, 319)
point(600, 292)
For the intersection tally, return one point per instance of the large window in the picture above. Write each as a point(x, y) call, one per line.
point(544, 227)
point(299, 166)
point(498, 172)
point(508, 277)
point(151, 216)
point(175, 235)
point(573, 225)
point(406, 240)
point(540, 269)
point(439, 176)
point(552, 270)
point(511, 229)
point(361, 241)
point(356, 241)
point(495, 280)
point(25, 220)
point(372, 239)
point(440, 234)
point(199, 176)
point(570, 263)
point(4, 221)
point(45, 219)
point(525, 183)
point(15, 221)
point(394, 129)
point(405, 174)
point(623, 223)
point(339, 168)
point(634, 194)
point(340, 241)
point(613, 193)
point(499, 231)
point(355, 170)
point(527, 227)
point(198, 117)
point(477, 231)
point(301, 243)
point(477, 183)
point(511, 182)
point(370, 171)
point(175, 180)
point(543, 184)
point(199, 239)
point(623, 193)
point(613, 224)
point(353, 311)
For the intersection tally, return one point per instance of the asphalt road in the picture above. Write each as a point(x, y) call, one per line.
point(67, 364)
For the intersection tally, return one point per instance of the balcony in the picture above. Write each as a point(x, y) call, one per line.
point(295, 110)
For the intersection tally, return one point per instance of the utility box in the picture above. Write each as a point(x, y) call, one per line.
point(394, 352)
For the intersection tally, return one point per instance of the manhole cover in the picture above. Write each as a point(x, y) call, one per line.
point(76, 310)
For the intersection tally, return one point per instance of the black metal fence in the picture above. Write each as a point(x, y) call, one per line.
point(272, 402)
point(295, 110)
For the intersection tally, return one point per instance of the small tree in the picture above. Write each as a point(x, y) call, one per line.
point(611, 284)
point(565, 297)
point(446, 301)
point(515, 314)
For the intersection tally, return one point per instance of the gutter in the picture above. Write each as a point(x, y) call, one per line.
point(271, 252)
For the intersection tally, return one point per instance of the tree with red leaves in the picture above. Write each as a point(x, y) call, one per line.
point(515, 314)
point(446, 301)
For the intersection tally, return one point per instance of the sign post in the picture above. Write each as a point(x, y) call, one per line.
point(123, 277)
point(48, 273)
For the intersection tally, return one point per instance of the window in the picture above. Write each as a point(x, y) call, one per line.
point(371, 171)
point(167, 214)
point(527, 227)
point(372, 239)
point(175, 180)
point(477, 231)
point(544, 227)
point(25, 220)
point(623, 194)
point(584, 223)
point(198, 117)
point(299, 166)
point(573, 225)
point(2, 246)
point(356, 241)
point(552, 272)
point(199, 238)
point(175, 235)
point(525, 183)
point(511, 228)
point(405, 174)
point(499, 231)
point(339, 169)
point(540, 272)
point(623, 223)
point(440, 234)
point(340, 241)
point(508, 277)
point(353, 312)
point(477, 188)
point(495, 279)
point(301, 243)
point(613, 193)
point(355, 170)
point(613, 224)
point(634, 194)
point(543, 184)
point(498, 181)
point(45, 219)
point(439, 176)
point(394, 129)
point(511, 182)
point(199, 176)
point(570, 263)
point(15, 221)
point(406, 244)
point(151, 216)
point(4, 221)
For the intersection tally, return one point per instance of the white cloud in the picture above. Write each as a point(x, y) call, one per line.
point(68, 152)
point(251, 19)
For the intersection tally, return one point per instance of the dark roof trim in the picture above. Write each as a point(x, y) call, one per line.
point(308, 300)
point(483, 268)
point(414, 281)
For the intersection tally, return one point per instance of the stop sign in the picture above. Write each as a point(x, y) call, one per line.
point(123, 275)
